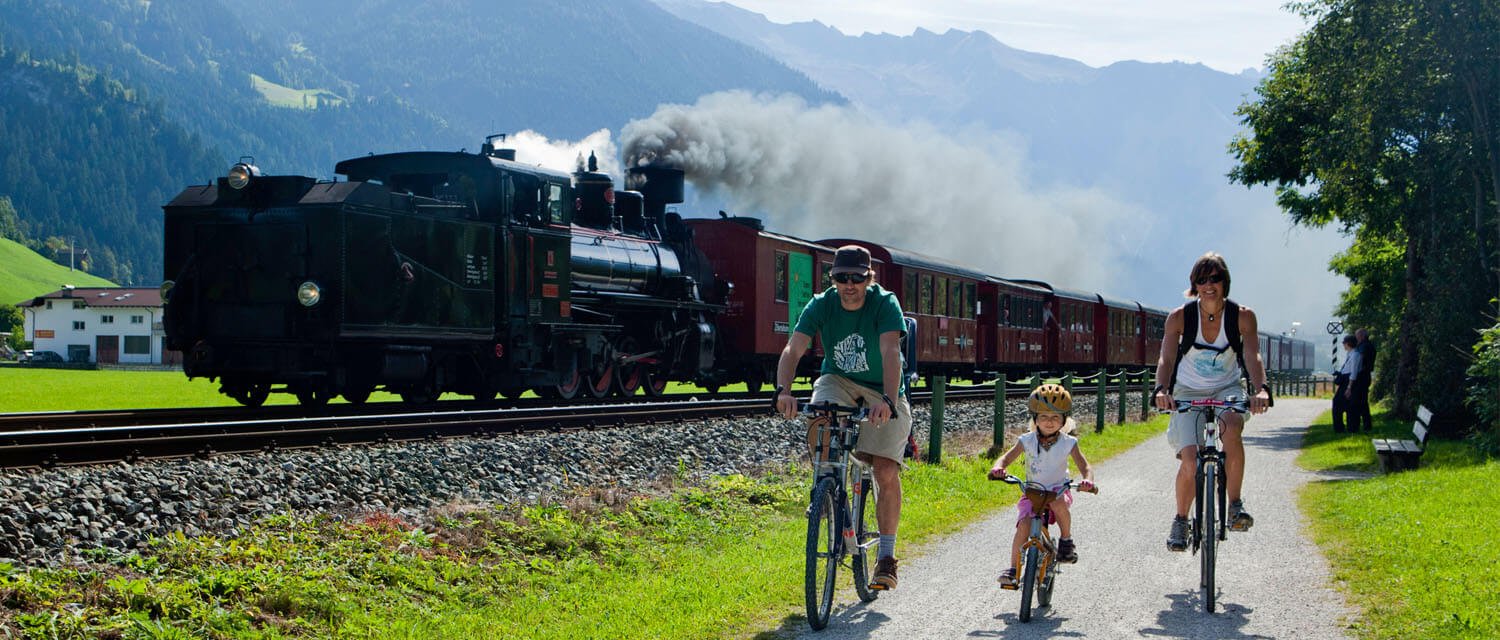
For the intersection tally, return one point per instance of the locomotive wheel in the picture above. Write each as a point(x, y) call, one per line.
point(511, 393)
point(568, 389)
point(418, 396)
point(357, 395)
point(253, 395)
point(655, 383)
point(755, 379)
point(313, 397)
point(600, 383)
point(484, 395)
point(628, 377)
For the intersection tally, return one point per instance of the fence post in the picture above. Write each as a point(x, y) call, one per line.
point(1145, 394)
point(1067, 382)
point(935, 432)
point(1120, 417)
point(1099, 403)
point(1000, 413)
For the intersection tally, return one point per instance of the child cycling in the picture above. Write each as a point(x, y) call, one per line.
point(1047, 447)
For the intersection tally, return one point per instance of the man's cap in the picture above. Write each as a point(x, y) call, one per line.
point(851, 258)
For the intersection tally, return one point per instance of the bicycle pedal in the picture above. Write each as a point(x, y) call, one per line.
point(1010, 587)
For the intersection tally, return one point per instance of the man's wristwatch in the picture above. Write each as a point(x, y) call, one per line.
point(1157, 389)
point(889, 403)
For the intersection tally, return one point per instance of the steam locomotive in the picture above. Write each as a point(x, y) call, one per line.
point(432, 272)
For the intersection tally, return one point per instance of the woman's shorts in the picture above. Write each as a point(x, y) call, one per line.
point(1023, 508)
point(1182, 431)
point(887, 440)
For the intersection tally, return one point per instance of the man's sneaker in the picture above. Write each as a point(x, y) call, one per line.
point(1008, 579)
point(1177, 538)
point(1239, 518)
point(885, 574)
point(1067, 553)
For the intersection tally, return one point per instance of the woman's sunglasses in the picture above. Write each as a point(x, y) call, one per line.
point(1214, 279)
point(850, 278)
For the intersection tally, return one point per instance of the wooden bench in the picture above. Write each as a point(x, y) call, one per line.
point(1396, 455)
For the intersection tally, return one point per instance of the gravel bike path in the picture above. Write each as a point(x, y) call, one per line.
point(1273, 581)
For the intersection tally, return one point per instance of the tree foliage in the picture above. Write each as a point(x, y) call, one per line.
point(1380, 119)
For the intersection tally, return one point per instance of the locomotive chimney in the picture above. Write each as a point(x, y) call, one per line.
point(492, 150)
point(660, 185)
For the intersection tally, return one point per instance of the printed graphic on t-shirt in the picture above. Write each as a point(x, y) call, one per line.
point(1210, 364)
point(849, 354)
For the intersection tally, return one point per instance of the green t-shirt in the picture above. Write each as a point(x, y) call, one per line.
point(851, 339)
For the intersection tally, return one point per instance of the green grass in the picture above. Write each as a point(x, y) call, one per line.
point(25, 274)
point(1415, 551)
point(718, 560)
point(287, 97)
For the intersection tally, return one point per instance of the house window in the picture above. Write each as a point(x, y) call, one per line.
point(780, 277)
point(49, 304)
point(106, 319)
point(77, 304)
point(78, 325)
point(137, 319)
point(138, 345)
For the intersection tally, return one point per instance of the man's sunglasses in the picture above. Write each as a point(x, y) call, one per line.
point(1213, 279)
point(850, 278)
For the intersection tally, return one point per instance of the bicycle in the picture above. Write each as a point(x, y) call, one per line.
point(838, 527)
point(1039, 552)
point(1209, 484)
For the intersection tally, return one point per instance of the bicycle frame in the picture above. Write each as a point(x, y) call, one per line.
point(837, 475)
point(1210, 486)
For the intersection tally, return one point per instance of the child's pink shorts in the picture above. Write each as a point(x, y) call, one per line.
point(1023, 508)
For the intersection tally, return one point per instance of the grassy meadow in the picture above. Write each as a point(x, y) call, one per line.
point(1414, 551)
point(25, 274)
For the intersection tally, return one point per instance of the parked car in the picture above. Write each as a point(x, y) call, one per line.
point(24, 356)
point(42, 357)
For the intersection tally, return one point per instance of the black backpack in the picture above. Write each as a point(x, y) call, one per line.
point(1190, 336)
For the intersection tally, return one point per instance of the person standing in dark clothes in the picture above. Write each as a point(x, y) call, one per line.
point(1359, 397)
point(1343, 379)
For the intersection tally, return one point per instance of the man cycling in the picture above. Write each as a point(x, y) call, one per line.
point(860, 326)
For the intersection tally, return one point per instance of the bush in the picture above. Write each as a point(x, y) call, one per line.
point(1484, 390)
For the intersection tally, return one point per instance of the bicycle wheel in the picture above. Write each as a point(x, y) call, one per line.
point(1211, 540)
point(1028, 582)
point(822, 553)
point(1049, 577)
point(866, 534)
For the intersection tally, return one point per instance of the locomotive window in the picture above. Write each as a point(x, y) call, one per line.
point(909, 291)
point(779, 277)
point(924, 300)
point(940, 299)
point(555, 204)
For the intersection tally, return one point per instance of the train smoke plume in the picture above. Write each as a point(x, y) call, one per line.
point(563, 155)
point(832, 171)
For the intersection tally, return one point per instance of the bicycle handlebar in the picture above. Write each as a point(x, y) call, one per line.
point(830, 409)
point(1067, 484)
point(1231, 403)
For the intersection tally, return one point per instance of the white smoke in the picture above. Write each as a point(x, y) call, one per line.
point(832, 171)
point(563, 155)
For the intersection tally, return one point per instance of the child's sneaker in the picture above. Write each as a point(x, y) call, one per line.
point(1067, 553)
point(1008, 580)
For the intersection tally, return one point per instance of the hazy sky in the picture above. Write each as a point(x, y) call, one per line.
point(1228, 35)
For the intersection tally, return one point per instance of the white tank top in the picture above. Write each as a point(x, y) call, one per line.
point(1208, 366)
point(1048, 467)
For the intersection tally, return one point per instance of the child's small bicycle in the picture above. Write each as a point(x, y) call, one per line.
point(1039, 552)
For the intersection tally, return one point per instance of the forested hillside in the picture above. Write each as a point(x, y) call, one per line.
point(112, 106)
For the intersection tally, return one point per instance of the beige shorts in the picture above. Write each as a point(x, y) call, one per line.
point(887, 440)
point(1182, 430)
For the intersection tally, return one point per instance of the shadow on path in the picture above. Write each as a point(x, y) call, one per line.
point(1185, 618)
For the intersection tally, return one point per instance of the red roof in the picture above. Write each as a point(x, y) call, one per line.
point(101, 297)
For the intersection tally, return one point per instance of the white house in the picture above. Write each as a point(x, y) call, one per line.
point(103, 325)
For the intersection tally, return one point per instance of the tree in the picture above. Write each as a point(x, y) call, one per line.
point(1378, 119)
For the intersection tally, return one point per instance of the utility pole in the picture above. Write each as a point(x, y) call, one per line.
point(72, 254)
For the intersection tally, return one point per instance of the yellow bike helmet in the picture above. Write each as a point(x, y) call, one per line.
point(1050, 397)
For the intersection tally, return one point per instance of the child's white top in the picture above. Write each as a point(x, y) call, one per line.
point(1048, 467)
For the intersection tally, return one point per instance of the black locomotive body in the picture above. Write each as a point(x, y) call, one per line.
point(432, 272)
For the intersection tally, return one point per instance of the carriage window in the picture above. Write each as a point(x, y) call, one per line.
point(1005, 317)
point(924, 299)
point(909, 291)
point(779, 277)
point(940, 301)
point(956, 298)
point(825, 277)
point(972, 303)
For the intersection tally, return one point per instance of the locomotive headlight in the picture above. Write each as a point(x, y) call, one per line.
point(309, 294)
point(241, 174)
point(166, 290)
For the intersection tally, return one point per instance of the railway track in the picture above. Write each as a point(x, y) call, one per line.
point(94, 437)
